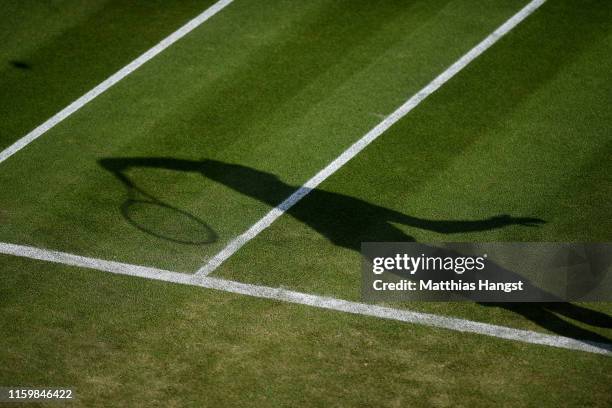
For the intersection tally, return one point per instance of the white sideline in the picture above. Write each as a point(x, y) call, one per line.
point(321, 302)
point(368, 138)
point(113, 79)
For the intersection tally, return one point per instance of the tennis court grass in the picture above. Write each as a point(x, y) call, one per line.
point(51, 53)
point(286, 90)
point(169, 165)
point(122, 341)
point(522, 132)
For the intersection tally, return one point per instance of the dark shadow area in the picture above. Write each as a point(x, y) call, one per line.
point(20, 65)
point(347, 222)
point(547, 315)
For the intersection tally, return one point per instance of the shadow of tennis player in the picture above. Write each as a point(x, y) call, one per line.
point(347, 222)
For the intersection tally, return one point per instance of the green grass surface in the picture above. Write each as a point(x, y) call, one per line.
point(523, 131)
point(294, 85)
point(53, 52)
point(228, 122)
point(124, 341)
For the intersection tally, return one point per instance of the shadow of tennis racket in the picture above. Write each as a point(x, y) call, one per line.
point(155, 217)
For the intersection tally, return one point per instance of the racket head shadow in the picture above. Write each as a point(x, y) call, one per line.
point(166, 222)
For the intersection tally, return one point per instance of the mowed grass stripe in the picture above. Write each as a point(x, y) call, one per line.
point(537, 151)
point(278, 87)
point(368, 138)
point(112, 80)
point(52, 53)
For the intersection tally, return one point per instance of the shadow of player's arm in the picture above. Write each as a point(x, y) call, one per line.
point(458, 226)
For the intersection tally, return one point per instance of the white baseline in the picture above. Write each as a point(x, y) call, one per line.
point(113, 79)
point(279, 294)
point(368, 138)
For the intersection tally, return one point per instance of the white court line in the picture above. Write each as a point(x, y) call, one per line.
point(279, 294)
point(368, 138)
point(113, 79)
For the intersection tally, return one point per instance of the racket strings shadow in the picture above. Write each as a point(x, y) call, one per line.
point(157, 218)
